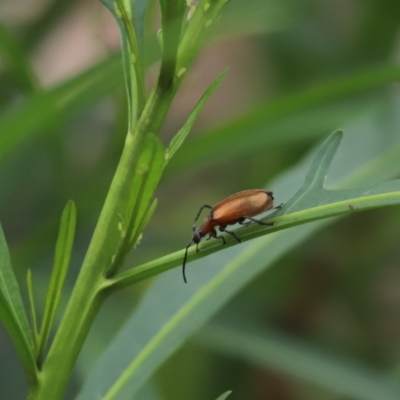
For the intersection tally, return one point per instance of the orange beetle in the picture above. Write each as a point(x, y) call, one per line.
point(234, 209)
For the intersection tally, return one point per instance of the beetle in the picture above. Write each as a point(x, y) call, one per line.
point(234, 209)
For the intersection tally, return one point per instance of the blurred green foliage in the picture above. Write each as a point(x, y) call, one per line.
point(298, 70)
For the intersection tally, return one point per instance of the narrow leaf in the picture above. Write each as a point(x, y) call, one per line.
point(29, 285)
point(9, 288)
point(12, 311)
point(205, 14)
point(295, 116)
point(278, 117)
point(132, 59)
point(22, 346)
point(147, 175)
point(318, 170)
point(65, 241)
point(224, 395)
point(135, 207)
point(139, 15)
point(322, 161)
point(145, 220)
point(172, 13)
point(179, 138)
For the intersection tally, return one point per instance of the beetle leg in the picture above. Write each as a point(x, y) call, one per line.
point(241, 222)
point(279, 207)
point(214, 235)
point(210, 236)
point(222, 229)
point(260, 222)
point(221, 237)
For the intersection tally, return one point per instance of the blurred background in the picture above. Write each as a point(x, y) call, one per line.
point(294, 67)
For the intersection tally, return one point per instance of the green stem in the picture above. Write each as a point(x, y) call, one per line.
point(87, 296)
point(91, 287)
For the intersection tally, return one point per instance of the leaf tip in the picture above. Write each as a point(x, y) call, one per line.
point(338, 133)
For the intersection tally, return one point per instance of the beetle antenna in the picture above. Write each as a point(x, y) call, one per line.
point(184, 261)
point(199, 212)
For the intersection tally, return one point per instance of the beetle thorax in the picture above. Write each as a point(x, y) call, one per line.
point(206, 227)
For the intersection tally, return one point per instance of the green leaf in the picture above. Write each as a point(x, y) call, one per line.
point(224, 395)
point(132, 59)
point(9, 288)
point(147, 175)
point(205, 14)
point(178, 310)
point(29, 285)
point(12, 312)
point(297, 116)
point(172, 13)
point(313, 201)
point(143, 223)
point(22, 346)
point(180, 137)
point(279, 352)
point(65, 241)
point(139, 15)
point(137, 211)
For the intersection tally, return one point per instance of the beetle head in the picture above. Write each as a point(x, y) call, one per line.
point(196, 236)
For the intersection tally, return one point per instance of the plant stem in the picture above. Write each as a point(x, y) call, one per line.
point(88, 296)
point(91, 287)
